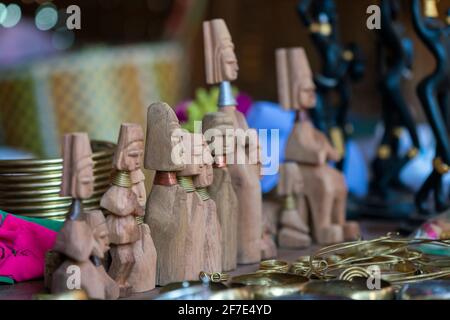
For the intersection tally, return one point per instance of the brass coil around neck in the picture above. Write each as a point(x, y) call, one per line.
point(139, 220)
point(121, 179)
point(186, 183)
point(289, 203)
point(203, 193)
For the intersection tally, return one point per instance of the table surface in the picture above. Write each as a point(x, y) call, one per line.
point(370, 229)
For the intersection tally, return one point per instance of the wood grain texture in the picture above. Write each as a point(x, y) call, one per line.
point(246, 185)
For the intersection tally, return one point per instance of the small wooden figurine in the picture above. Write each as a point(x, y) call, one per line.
point(167, 210)
point(83, 240)
point(212, 254)
point(221, 67)
point(219, 126)
point(197, 211)
point(325, 191)
point(294, 230)
point(122, 208)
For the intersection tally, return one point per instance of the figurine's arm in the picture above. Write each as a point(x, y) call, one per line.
point(302, 9)
point(418, 20)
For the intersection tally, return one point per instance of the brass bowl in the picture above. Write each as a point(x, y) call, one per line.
point(30, 187)
point(356, 289)
point(268, 279)
point(256, 293)
point(213, 286)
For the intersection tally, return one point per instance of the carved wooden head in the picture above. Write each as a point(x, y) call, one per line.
point(130, 147)
point(296, 89)
point(78, 176)
point(193, 155)
point(163, 147)
point(220, 58)
point(206, 176)
point(219, 132)
point(96, 220)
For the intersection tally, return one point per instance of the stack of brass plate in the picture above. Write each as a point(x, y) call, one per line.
point(30, 187)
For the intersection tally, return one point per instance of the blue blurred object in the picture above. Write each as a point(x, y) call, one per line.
point(355, 170)
point(269, 115)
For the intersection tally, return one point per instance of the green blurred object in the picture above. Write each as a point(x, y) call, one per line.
point(46, 223)
point(205, 102)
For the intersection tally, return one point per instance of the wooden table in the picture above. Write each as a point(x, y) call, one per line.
point(370, 229)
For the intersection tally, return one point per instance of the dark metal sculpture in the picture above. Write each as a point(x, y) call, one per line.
point(433, 93)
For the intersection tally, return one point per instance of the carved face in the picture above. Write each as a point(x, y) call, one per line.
point(131, 156)
point(228, 62)
point(83, 179)
point(307, 94)
point(178, 146)
point(193, 159)
point(101, 237)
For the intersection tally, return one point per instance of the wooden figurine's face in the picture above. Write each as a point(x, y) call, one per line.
point(83, 178)
point(193, 160)
point(306, 94)
point(101, 237)
point(228, 61)
point(131, 156)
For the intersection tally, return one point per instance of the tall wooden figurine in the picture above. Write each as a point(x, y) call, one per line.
point(325, 191)
point(221, 68)
point(294, 229)
point(168, 211)
point(130, 150)
point(219, 126)
point(197, 210)
point(212, 252)
point(83, 240)
point(122, 207)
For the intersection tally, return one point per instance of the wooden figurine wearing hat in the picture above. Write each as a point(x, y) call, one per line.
point(83, 239)
point(221, 68)
point(294, 230)
point(122, 207)
point(168, 212)
point(218, 129)
point(325, 191)
point(212, 252)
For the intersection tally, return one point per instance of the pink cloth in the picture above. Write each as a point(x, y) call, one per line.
point(23, 246)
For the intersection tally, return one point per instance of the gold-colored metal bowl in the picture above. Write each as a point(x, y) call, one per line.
point(30, 187)
point(268, 279)
point(356, 289)
point(213, 286)
point(256, 293)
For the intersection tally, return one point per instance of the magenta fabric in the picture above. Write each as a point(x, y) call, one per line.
point(23, 246)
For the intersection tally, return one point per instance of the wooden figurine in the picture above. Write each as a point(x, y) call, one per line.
point(83, 240)
point(219, 126)
point(221, 67)
point(197, 211)
point(325, 191)
point(130, 152)
point(294, 230)
point(122, 208)
point(212, 252)
point(167, 209)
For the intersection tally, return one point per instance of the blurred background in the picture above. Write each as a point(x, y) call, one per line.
point(130, 53)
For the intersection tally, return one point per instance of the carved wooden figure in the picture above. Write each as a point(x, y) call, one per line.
point(122, 208)
point(325, 191)
point(294, 229)
point(221, 67)
point(197, 207)
point(212, 252)
point(82, 241)
point(167, 210)
point(218, 129)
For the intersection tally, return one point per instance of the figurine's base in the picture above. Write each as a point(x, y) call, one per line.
point(399, 205)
